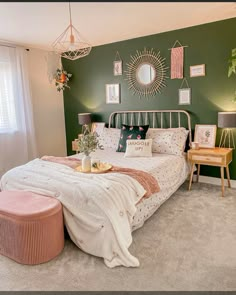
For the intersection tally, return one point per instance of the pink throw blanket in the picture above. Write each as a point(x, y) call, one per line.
point(149, 183)
point(68, 161)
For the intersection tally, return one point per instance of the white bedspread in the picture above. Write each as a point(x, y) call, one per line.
point(97, 207)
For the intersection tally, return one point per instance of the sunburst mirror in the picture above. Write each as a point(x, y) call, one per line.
point(146, 73)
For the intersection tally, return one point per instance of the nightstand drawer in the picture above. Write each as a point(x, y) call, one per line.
point(210, 159)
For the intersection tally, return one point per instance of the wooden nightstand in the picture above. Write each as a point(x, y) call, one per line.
point(220, 157)
point(75, 147)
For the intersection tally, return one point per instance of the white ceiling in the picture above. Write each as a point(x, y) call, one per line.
point(38, 24)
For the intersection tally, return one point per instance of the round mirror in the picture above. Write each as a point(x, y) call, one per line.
point(145, 73)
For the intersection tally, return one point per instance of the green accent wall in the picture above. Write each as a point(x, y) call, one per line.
point(208, 44)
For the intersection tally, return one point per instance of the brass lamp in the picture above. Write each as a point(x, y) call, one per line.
point(227, 120)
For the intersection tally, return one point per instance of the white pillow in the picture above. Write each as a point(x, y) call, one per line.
point(138, 148)
point(168, 141)
point(109, 138)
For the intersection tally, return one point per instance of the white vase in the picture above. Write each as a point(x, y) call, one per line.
point(86, 164)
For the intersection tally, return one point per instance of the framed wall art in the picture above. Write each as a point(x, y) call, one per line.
point(117, 70)
point(197, 71)
point(117, 65)
point(112, 93)
point(184, 96)
point(205, 135)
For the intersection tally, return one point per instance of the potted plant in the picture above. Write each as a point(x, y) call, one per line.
point(62, 78)
point(232, 68)
point(87, 143)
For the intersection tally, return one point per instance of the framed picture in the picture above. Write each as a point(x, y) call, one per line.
point(97, 127)
point(112, 93)
point(205, 135)
point(198, 70)
point(117, 68)
point(185, 96)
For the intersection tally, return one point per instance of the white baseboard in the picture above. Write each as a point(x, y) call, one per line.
point(215, 180)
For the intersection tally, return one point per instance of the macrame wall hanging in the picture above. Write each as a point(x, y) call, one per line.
point(117, 65)
point(177, 61)
point(184, 93)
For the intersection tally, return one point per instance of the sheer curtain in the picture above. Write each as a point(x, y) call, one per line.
point(17, 136)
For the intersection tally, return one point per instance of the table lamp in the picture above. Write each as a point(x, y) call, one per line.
point(227, 120)
point(84, 119)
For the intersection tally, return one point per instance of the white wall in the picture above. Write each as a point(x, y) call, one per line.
point(48, 107)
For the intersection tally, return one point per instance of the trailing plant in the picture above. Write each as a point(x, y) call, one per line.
point(61, 79)
point(89, 142)
point(232, 68)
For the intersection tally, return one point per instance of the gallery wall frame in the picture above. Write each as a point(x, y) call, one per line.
point(185, 96)
point(197, 70)
point(117, 68)
point(113, 93)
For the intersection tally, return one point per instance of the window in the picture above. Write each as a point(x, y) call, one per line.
point(8, 122)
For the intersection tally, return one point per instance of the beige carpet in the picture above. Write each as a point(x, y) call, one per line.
point(188, 244)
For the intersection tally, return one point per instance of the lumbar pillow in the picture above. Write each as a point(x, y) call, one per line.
point(138, 148)
point(109, 138)
point(131, 132)
point(168, 141)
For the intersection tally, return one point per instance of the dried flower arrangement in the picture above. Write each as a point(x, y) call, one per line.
point(88, 142)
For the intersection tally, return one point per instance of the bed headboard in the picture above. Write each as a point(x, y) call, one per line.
point(153, 118)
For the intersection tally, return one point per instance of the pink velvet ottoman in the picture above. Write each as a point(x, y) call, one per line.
point(31, 227)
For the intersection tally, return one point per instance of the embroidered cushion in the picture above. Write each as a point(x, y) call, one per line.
point(131, 132)
point(138, 148)
point(168, 141)
point(109, 138)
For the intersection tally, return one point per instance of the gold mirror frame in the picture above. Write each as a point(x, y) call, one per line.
point(157, 62)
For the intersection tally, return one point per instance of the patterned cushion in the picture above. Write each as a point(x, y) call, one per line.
point(131, 132)
point(109, 138)
point(168, 141)
point(138, 148)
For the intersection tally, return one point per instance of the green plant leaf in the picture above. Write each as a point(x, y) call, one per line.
point(234, 62)
point(234, 52)
point(230, 71)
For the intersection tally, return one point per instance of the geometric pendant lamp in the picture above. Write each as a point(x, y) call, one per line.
point(70, 44)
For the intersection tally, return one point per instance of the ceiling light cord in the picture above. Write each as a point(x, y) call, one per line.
point(72, 39)
point(70, 15)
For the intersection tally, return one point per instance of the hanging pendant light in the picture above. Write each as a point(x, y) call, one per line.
point(70, 44)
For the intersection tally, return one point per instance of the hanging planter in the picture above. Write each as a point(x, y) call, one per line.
point(61, 79)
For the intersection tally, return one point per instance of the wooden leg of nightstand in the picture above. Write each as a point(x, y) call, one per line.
point(228, 176)
point(191, 177)
point(222, 180)
point(198, 172)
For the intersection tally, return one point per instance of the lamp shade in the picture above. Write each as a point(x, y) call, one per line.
point(84, 118)
point(227, 119)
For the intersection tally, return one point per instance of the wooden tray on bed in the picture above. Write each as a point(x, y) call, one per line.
point(103, 168)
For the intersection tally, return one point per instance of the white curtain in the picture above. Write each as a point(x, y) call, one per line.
point(17, 136)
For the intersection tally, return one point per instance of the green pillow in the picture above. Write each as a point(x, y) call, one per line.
point(131, 132)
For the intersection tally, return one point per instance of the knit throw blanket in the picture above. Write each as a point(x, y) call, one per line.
point(149, 182)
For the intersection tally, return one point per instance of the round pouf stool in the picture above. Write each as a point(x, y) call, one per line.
point(31, 227)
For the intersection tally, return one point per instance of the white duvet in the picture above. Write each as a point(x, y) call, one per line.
point(98, 208)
